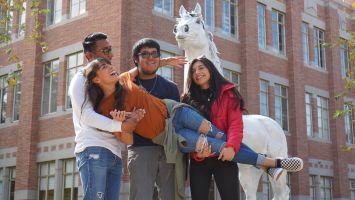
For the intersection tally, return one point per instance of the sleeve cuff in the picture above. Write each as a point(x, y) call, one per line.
point(194, 156)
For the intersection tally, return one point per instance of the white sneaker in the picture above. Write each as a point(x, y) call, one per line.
point(293, 164)
point(274, 173)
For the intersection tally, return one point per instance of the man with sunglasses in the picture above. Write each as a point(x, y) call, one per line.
point(147, 161)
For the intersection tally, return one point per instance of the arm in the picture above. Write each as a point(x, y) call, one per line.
point(234, 127)
point(88, 116)
point(177, 61)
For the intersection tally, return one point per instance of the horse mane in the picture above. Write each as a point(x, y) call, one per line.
point(213, 49)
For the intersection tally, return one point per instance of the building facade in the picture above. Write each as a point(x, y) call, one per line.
point(272, 49)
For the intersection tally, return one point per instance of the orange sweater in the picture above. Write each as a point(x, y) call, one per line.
point(153, 122)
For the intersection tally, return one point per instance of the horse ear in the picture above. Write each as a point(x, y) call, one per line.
point(197, 9)
point(182, 11)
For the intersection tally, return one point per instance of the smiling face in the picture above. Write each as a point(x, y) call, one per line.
point(106, 75)
point(148, 61)
point(201, 75)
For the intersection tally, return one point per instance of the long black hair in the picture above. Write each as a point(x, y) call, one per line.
point(93, 91)
point(194, 94)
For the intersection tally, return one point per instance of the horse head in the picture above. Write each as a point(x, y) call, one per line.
point(190, 30)
point(193, 38)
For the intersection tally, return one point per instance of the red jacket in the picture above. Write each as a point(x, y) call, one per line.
point(228, 118)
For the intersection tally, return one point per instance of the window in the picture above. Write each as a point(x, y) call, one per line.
point(281, 106)
point(352, 189)
point(308, 99)
point(3, 98)
point(17, 97)
point(261, 26)
point(164, 6)
point(305, 42)
point(55, 12)
point(323, 118)
point(313, 187)
point(6, 17)
point(50, 87)
point(70, 180)
point(11, 183)
point(266, 188)
point(46, 180)
point(22, 20)
point(229, 17)
point(344, 60)
point(278, 31)
point(319, 51)
point(74, 63)
point(264, 97)
point(1, 182)
point(166, 71)
point(326, 187)
point(77, 7)
point(349, 124)
point(232, 76)
point(209, 13)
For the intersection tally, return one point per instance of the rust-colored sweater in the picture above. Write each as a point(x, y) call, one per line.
point(153, 122)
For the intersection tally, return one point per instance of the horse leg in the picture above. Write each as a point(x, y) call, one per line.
point(280, 188)
point(249, 177)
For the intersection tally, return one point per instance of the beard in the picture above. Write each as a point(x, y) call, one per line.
point(147, 71)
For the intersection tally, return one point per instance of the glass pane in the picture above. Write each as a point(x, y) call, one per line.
point(51, 182)
point(74, 8)
point(44, 169)
point(80, 58)
point(67, 194)
point(69, 165)
point(43, 184)
point(72, 61)
point(52, 168)
point(50, 195)
point(167, 7)
point(68, 182)
point(82, 6)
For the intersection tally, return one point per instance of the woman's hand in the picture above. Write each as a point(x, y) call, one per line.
point(177, 61)
point(227, 153)
point(118, 115)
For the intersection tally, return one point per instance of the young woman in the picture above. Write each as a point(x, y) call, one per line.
point(108, 91)
point(219, 101)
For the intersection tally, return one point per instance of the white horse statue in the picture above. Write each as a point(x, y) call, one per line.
point(262, 134)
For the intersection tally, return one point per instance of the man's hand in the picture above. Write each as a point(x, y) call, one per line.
point(132, 120)
point(177, 61)
point(227, 153)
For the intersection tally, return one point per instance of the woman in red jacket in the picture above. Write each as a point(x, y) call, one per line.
point(219, 101)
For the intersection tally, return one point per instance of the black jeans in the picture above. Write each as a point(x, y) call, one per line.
point(225, 175)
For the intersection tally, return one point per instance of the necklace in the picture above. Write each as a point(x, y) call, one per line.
point(154, 84)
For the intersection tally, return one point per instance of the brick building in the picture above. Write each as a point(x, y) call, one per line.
point(270, 48)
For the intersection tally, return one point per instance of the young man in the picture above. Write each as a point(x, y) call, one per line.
point(146, 160)
point(98, 153)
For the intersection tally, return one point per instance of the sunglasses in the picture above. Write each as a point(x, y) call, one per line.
point(146, 55)
point(106, 50)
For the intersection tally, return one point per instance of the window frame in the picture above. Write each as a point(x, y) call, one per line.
point(207, 22)
point(266, 94)
point(77, 67)
point(319, 50)
point(322, 117)
point(276, 45)
point(305, 43)
point(261, 34)
point(229, 76)
point(17, 88)
point(47, 177)
point(22, 21)
point(283, 109)
point(160, 71)
point(230, 26)
point(349, 125)
point(3, 94)
point(309, 117)
point(344, 59)
point(11, 183)
point(50, 87)
point(74, 174)
point(162, 9)
point(80, 4)
point(53, 16)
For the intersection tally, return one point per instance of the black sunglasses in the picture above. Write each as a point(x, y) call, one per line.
point(146, 55)
point(106, 50)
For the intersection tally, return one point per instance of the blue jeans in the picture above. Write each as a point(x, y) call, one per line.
point(187, 122)
point(100, 172)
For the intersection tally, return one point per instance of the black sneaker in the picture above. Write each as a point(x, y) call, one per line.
point(275, 173)
point(293, 164)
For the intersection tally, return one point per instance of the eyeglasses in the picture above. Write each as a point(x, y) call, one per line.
point(106, 50)
point(146, 55)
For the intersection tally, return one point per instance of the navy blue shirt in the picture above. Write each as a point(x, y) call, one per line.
point(161, 88)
